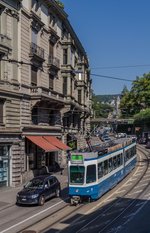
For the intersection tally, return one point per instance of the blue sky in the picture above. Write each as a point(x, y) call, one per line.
point(114, 33)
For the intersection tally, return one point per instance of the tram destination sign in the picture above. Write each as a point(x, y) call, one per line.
point(76, 158)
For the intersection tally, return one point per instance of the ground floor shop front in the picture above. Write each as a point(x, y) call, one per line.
point(23, 155)
point(21, 158)
point(5, 165)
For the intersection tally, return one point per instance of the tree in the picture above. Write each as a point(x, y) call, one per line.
point(60, 3)
point(100, 109)
point(125, 90)
point(132, 102)
point(142, 116)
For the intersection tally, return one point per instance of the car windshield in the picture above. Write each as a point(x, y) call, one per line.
point(36, 183)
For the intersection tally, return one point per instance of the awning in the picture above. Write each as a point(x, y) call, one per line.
point(42, 143)
point(56, 142)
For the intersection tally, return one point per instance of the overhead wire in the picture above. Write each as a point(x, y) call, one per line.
point(110, 77)
point(96, 75)
point(119, 67)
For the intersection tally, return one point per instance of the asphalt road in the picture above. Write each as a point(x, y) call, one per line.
point(118, 211)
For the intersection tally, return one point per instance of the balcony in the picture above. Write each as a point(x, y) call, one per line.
point(36, 52)
point(5, 44)
point(54, 62)
point(37, 93)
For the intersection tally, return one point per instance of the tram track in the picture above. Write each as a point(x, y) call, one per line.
point(129, 204)
point(120, 213)
point(52, 218)
point(65, 214)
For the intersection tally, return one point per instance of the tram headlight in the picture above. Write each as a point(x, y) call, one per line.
point(77, 190)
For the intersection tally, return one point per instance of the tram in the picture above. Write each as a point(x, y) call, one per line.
point(93, 172)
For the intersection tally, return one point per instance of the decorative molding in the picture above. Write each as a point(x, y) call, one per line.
point(12, 13)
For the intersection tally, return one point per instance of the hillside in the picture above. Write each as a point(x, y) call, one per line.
point(106, 98)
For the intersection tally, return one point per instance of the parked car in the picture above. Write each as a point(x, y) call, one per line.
point(142, 140)
point(38, 190)
point(147, 145)
point(121, 135)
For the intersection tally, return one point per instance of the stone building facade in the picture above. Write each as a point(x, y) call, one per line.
point(45, 89)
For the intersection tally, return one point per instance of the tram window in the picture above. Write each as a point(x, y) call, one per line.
point(115, 162)
point(100, 170)
point(119, 160)
point(110, 165)
point(77, 174)
point(91, 174)
point(125, 159)
point(130, 153)
point(133, 151)
point(127, 156)
point(105, 167)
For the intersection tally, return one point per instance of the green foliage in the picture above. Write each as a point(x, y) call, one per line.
point(60, 3)
point(132, 102)
point(100, 109)
point(106, 98)
point(125, 90)
point(142, 116)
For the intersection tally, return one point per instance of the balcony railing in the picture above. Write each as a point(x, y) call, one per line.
point(36, 50)
point(54, 61)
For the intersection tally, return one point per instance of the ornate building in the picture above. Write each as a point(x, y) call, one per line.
point(45, 88)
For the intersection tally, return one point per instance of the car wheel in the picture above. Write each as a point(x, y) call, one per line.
point(41, 200)
point(57, 192)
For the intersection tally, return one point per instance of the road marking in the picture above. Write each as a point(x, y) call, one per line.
point(135, 213)
point(135, 192)
point(137, 174)
point(146, 179)
point(147, 176)
point(110, 199)
point(128, 184)
point(129, 216)
point(132, 179)
point(33, 216)
point(121, 191)
point(147, 195)
point(142, 185)
point(140, 203)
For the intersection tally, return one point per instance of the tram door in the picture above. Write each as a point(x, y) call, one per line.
point(4, 166)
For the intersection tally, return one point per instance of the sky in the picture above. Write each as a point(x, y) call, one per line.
point(114, 33)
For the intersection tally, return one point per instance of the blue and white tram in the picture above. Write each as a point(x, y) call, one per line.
point(91, 174)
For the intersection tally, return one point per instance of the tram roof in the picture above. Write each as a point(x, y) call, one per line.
point(104, 148)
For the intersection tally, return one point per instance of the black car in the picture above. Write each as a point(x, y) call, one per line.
point(39, 189)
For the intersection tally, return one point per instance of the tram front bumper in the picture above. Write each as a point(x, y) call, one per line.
point(75, 200)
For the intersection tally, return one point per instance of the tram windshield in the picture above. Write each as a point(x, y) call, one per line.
point(91, 173)
point(77, 174)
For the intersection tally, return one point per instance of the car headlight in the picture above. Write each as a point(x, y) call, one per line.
point(17, 195)
point(34, 195)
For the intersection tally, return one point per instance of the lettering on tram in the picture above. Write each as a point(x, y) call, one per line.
point(92, 173)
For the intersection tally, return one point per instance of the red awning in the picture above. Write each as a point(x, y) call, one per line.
point(56, 142)
point(42, 143)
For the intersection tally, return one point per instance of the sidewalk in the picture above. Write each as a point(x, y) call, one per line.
point(8, 194)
